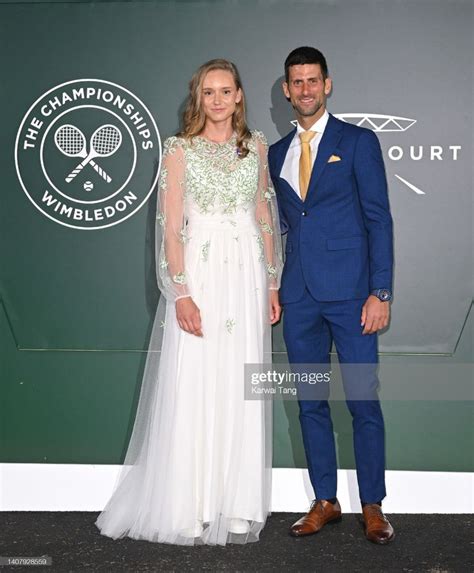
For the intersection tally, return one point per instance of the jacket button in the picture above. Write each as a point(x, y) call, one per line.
point(304, 213)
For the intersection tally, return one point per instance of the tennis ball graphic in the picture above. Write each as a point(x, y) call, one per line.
point(88, 186)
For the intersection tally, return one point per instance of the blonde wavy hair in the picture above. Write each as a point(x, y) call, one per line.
point(194, 117)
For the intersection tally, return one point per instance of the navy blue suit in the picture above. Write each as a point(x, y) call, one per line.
point(339, 247)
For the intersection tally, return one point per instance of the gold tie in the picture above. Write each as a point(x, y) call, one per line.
point(305, 161)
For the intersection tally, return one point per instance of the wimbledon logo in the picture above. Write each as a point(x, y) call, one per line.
point(88, 154)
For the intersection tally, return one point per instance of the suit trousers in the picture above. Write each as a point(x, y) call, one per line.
point(309, 327)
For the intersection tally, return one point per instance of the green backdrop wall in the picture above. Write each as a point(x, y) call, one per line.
point(77, 305)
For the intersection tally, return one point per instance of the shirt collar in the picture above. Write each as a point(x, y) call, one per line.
point(318, 126)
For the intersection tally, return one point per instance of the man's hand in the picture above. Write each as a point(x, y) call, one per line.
point(275, 308)
point(375, 315)
point(189, 316)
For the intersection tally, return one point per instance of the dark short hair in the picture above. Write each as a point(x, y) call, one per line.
point(305, 55)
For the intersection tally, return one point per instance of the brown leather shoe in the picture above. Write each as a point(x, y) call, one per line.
point(377, 527)
point(320, 513)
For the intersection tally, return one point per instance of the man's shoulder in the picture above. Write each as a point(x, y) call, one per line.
point(281, 142)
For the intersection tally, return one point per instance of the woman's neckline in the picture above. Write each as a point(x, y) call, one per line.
point(211, 142)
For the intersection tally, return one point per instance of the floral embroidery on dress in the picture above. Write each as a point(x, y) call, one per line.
point(271, 270)
point(260, 136)
point(184, 237)
point(164, 179)
point(265, 226)
point(205, 250)
point(161, 218)
point(226, 183)
point(171, 145)
point(200, 178)
point(261, 256)
point(180, 278)
point(269, 193)
point(229, 324)
point(163, 262)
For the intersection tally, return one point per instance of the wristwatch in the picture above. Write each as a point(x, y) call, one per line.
point(382, 294)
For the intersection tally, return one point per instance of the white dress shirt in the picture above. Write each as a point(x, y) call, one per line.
point(291, 166)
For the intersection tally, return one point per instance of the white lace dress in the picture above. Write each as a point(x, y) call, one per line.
point(200, 455)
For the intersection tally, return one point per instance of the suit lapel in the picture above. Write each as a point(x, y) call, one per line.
point(292, 194)
point(280, 160)
point(283, 147)
point(329, 141)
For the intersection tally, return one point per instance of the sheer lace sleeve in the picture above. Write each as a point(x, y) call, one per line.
point(170, 224)
point(267, 216)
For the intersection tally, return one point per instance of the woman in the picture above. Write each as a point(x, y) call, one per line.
point(198, 466)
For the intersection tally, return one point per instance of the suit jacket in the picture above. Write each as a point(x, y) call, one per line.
point(340, 241)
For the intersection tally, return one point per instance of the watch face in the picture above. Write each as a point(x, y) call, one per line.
point(384, 294)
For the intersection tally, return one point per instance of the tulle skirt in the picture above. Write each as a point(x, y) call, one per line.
point(200, 453)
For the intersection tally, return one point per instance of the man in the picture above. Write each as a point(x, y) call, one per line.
point(331, 187)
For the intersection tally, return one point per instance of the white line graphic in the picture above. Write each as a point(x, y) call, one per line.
point(410, 185)
point(377, 122)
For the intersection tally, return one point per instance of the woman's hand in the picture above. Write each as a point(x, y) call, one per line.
point(275, 308)
point(189, 316)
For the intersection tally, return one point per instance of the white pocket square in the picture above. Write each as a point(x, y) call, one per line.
point(334, 158)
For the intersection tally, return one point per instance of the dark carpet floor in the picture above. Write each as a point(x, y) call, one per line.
point(424, 543)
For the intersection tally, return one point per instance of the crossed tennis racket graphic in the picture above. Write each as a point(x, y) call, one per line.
point(104, 142)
